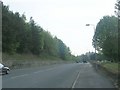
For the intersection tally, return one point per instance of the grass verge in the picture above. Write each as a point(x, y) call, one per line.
point(112, 70)
point(18, 61)
point(112, 67)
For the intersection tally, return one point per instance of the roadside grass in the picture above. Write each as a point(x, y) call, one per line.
point(112, 69)
point(27, 57)
point(18, 61)
point(111, 66)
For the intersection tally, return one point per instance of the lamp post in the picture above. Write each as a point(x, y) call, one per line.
point(96, 66)
point(95, 39)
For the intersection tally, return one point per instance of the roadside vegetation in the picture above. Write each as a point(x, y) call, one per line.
point(19, 61)
point(28, 38)
point(111, 67)
point(27, 44)
point(106, 40)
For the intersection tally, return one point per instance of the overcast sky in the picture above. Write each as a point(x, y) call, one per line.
point(66, 19)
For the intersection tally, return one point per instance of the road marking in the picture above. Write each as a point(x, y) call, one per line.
point(44, 70)
point(36, 72)
point(19, 76)
point(29, 74)
point(74, 83)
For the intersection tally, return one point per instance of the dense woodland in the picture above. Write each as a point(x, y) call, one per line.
point(22, 37)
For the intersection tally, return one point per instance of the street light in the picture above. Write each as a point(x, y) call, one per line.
point(95, 39)
point(96, 66)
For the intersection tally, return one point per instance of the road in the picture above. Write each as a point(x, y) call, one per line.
point(74, 75)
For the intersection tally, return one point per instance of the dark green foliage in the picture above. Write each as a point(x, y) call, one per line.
point(9, 34)
point(64, 51)
point(19, 36)
point(106, 37)
point(117, 7)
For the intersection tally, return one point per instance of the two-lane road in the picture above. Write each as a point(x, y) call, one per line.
point(56, 76)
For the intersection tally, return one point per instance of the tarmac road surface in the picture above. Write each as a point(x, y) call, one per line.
point(75, 75)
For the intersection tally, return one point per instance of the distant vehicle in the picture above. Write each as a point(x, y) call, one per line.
point(4, 69)
point(77, 61)
point(84, 61)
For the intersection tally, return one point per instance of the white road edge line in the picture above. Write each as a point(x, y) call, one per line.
point(73, 85)
point(18, 76)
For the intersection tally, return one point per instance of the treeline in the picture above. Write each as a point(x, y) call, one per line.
point(105, 41)
point(22, 37)
point(88, 56)
point(106, 38)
